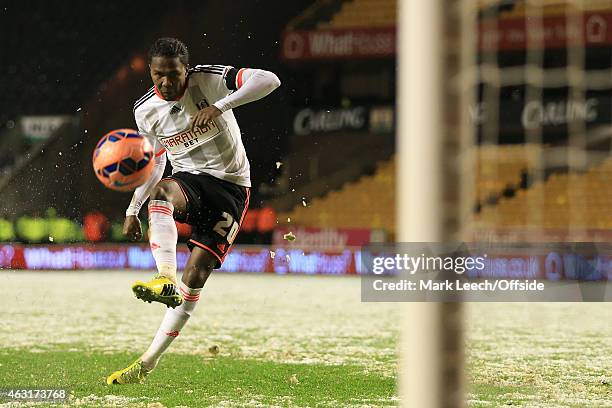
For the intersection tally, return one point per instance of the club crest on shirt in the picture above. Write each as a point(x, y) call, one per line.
point(202, 104)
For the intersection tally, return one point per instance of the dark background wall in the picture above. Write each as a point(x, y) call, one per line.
point(75, 58)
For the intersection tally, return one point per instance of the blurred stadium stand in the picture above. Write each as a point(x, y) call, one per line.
point(366, 203)
point(54, 74)
point(327, 138)
point(501, 168)
point(582, 197)
point(513, 174)
point(363, 14)
point(52, 85)
point(553, 7)
point(90, 73)
point(342, 125)
point(561, 186)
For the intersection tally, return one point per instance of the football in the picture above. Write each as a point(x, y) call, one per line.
point(123, 159)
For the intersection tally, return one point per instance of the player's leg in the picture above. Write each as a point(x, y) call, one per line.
point(198, 269)
point(216, 209)
point(167, 202)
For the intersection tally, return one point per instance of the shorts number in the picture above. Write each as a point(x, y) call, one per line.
point(227, 222)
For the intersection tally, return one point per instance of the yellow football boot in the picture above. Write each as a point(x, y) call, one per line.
point(135, 373)
point(159, 289)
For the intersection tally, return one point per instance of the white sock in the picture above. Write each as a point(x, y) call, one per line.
point(171, 325)
point(163, 237)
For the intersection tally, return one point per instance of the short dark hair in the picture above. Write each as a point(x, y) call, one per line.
point(169, 47)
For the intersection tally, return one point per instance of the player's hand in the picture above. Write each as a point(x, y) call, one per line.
point(204, 116)
point(132, 228)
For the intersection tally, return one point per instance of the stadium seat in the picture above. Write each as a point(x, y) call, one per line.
point(548, 7)
point(500, 166)
point(363, 14)
point(565, 200)
point(353, 205)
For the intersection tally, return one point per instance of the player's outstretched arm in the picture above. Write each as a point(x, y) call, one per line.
point(131, 227)
point(253, 84)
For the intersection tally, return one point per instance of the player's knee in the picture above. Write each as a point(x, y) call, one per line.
point(162, 192)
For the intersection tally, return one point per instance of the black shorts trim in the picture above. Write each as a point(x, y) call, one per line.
point(204, 247)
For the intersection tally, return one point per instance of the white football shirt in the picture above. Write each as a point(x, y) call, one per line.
point(216, 149)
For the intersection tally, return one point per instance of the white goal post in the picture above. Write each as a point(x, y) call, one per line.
point(431, 95)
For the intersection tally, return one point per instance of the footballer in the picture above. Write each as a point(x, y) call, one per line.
point(187, 115)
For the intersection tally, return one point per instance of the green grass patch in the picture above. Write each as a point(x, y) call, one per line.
point(193, 380)
point(497, 395)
